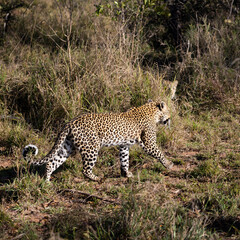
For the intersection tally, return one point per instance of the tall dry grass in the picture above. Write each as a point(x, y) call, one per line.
point(65, 60)
point(209, 70)
point(60, 59)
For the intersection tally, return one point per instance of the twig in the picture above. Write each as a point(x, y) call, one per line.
point(87, 195)
point(11, 117)
point(18, 236)
point(230, 11)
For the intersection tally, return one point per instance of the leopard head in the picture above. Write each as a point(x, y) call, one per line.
point(162, 114)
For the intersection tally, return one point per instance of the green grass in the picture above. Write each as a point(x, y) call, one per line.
point(59, 60)
point(197, 200)
point(200, 202)
point(138, 220)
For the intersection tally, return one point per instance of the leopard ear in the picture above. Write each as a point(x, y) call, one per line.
point(161, 105)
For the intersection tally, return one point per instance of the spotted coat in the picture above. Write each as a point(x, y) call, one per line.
point(90, 132)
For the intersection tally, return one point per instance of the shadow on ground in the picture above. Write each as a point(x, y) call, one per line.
point(7, 175)
point(227, 224)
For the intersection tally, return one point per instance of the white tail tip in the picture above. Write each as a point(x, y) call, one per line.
point(30, 148)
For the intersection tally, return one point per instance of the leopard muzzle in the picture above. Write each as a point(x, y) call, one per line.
point(167, 122)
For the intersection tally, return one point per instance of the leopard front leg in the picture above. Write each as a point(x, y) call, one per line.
point(149, 145)
point(124, 160)
point(154, 151)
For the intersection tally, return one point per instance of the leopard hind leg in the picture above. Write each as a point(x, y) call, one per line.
point(56, 158)
point(89, 153)
point(89, 160)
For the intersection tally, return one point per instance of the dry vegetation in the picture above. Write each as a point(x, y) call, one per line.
point(62, 58)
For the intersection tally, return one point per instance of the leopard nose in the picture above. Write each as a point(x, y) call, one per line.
point(167, 122)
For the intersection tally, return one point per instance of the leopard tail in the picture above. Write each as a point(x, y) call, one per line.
point(31, 150)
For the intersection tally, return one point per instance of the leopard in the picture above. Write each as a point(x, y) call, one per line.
point(89, 132)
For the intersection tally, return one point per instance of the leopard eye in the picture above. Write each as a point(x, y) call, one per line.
point(161, 105)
